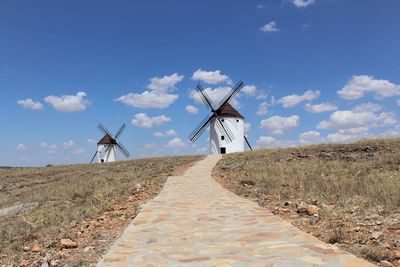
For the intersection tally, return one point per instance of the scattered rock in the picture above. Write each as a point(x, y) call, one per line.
point(73, 224)
point(138, 186)
point(386, 264)
point(397, 254)
point(45, 262)
point(24, 263)
point(302, 207)
point(68, 243)
point(36, 249)
point(86, 249)
point(312, 210)
point(283, 210)
point(26, 249)
point(377, 235)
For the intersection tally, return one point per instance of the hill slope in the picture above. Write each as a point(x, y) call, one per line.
point(88, 204)
point(348, 195)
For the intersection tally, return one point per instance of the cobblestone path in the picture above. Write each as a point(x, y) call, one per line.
point(196, 222)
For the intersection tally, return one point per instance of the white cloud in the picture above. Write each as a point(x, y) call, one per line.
point(68, 103)
point(162, 84)
point(53, 147)
point(68, 144)
point(21, 147)
point(165, 134)
point(79, 151)
point(44, 145)
point(216, 95)
point(192, 109)
point(176, 143)
point(303, 3)
point(144, 121)
point(386, 119)
point(158, 96)
point(345, 119)
point(29, 103)
point(262, 108)
point(349, 122)
point(367, 107)
point(318, 108)
point(361, 84)
point(292, 100)
point(277, 125)
point(249, 90)
point(310, 137)
point(148, 99)
point(92, 141)
point(261, 6)
point(247, 127)
point(210, 77)
point(269, 27)
point(261, 95)
point(150, 146)
point(266, 141)
point(344, 138)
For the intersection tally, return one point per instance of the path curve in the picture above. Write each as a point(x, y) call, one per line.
point(196, 222)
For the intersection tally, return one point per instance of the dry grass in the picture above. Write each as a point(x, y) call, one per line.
point(357, 180)
point(65, 194)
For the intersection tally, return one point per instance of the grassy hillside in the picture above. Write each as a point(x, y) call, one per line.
point(343, 194)
point(88, 204)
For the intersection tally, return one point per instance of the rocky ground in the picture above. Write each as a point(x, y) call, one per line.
point(77, 228)
point(357, 219)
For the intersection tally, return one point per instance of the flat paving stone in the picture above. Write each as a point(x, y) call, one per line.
point(196, 222)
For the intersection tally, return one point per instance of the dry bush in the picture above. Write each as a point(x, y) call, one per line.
point(365, 174)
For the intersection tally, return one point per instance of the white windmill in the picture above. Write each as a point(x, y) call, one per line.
point(106, 146)
point(226, 124)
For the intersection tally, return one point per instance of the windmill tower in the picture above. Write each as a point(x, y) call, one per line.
point(226, 124)
point(106, 146)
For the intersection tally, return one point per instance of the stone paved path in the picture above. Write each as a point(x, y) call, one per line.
point(196, 222)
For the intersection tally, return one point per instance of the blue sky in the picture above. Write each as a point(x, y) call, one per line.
point(315, 70)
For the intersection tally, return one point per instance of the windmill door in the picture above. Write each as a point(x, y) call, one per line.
point(223, 150)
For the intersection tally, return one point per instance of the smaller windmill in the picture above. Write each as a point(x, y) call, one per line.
point(106, 146)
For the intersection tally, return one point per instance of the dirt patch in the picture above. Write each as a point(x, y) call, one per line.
point(85, 206)
point(347, 195)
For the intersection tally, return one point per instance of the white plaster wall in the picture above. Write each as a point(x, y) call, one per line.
point(236, 125)
point(108, 156)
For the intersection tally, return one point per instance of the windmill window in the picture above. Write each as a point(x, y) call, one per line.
point(222, 137)
point(237, 120)
point(222, 120)
point(102, 160)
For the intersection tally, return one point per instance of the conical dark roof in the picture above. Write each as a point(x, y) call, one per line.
point(106, 140)
point(228, 111)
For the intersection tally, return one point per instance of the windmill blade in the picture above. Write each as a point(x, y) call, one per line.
point(107, 154)
point(123, 150)
point(225, 129)
point(103, 129)
point(247, 142)
point(232, 93)
point(94, 156)
point(118, 133)
point(204, 96)
point(201, 127)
